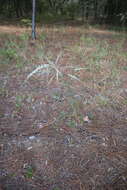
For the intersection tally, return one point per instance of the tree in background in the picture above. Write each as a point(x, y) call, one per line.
point(33, 19)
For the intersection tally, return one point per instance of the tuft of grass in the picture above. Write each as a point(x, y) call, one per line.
point(102, 100)
point(26, 22)
point(88, 41)
point(24, 36)
point(42, 36)
point(53, 70)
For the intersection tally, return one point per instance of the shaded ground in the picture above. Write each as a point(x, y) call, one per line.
point(68, 133)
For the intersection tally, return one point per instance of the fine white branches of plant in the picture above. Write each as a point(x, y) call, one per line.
point(56, 70)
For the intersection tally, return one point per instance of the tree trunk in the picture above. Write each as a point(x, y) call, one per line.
point(33, 20)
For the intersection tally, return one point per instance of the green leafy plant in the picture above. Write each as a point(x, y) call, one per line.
point(8, 53)
point(29, 172)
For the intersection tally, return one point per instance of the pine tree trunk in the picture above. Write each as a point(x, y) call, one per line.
point(33, 20)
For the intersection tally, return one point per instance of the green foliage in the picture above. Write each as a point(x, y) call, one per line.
point(8, 54)
point(125, 68)
point(24, 36)
point(71, 123)
point(29, 172)
point(71, 10)
point(42, 36)
point(89, 41)
point(101, 11)
point(56, 188)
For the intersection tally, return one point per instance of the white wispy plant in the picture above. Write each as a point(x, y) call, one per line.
point(55, 69)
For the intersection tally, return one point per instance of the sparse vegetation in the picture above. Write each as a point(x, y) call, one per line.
point(63, 95)
point(65, 111)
